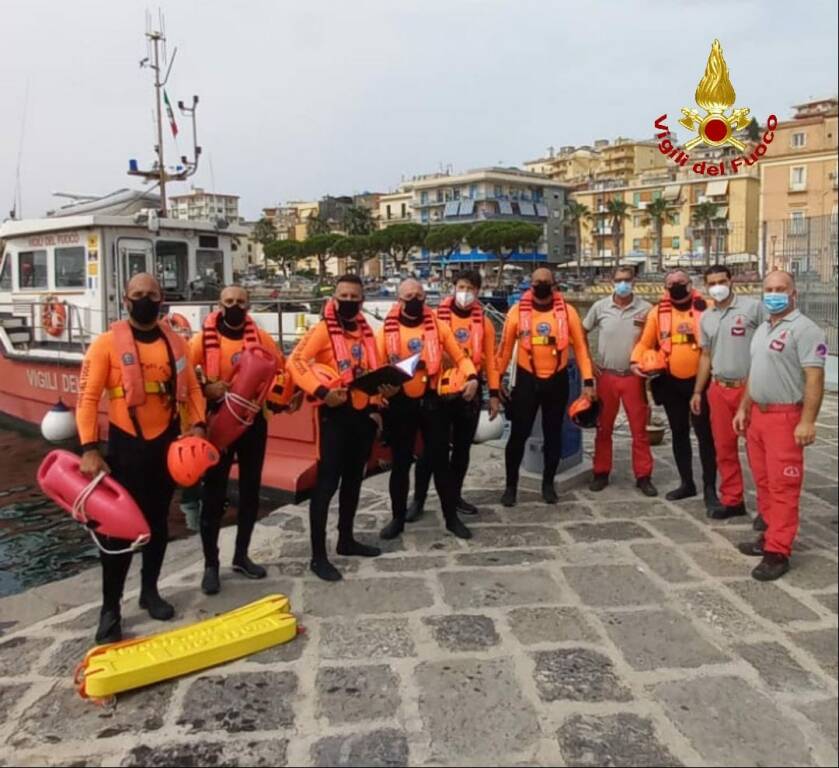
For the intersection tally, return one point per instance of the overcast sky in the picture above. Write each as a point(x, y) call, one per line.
point(301, 99)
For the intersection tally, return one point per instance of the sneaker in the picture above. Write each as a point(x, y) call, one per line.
point(210, 584)
point(456, 526)
point(549, 493)
point(508, 499)
point(415, 511)
point(598, 482)
point(723, 512)
point(752, 548)
point(323, 569)
point(157, 607)
point(244, 565)
point(645, 485)
point(465, 508)
point(393, 529)
point(110, 627)
point(773, 566)
point(759, 523)
point(684, 491)
point(353, 548)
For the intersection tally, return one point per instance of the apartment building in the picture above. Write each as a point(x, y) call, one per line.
point(204, 206)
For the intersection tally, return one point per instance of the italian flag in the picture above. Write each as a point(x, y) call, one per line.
point(170, 114)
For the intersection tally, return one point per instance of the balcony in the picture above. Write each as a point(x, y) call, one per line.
point(801, 186)
point(602, 232)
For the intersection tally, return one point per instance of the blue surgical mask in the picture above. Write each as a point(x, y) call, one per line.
point(623, 288)
point(775, 302)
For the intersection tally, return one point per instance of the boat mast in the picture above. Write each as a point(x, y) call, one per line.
point(156, 42)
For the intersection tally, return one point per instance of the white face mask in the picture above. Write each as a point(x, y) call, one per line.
point(464, 299)
point(719, 292)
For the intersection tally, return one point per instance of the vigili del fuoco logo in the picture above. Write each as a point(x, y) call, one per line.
point(716, 127)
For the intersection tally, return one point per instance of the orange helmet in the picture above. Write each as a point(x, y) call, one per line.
point(189, 458)
point(653, 362)
point(451, 382)
point(584, 412)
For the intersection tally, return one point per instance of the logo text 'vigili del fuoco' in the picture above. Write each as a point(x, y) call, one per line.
point(715, 96)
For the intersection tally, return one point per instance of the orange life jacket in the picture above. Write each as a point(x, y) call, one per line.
point(212, 345)
point(665, 321)
point(444, 313)
point(343, 358)
point(132, 373)
point(525, 323)
point(431, 354)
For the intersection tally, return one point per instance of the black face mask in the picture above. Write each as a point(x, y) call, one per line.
point(234, 315)
point(348, 309)
point(542, 290)
point(414, 307)
point(144, 311)
point(679, 292)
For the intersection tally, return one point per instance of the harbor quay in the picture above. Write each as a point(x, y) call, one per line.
point(609, 629)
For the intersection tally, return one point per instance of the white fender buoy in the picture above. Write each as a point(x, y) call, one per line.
point(488, 430)
point(59, 423)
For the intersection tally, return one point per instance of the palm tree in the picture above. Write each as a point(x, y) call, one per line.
point(705, 213)
point(316, 224)
point(658, 212)
point(618, 210)
point(575, 214)
point(358, 220)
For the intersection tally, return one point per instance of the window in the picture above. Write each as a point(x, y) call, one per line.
point(208, 241)
point(387, 211)
point(656, 194)
point(496, 190)
point(404, 210)
point(675, 217)
point(32, 269)
point(798, 177)
point(636, 244)
point(170, 268)
point(674, 241)
point(636, 220)
point(799, 139)
point(69, 267)
point(210, 265)
point(423, 197)
point(6, 274)
point(797, 223)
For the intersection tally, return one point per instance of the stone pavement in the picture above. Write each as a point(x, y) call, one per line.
point(609, 630)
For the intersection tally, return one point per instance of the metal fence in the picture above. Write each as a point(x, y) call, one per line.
point(807, 247)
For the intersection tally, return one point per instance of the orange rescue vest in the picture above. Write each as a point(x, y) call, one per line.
point(431, 353)
point(665, 321)
point(444, 313)
point(343, 358)
point(212, 344)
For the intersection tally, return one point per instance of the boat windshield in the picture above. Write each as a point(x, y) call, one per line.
point(171, 269)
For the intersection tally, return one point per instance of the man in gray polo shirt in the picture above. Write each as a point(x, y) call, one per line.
point(726, 331)
point(619, 320)
point(778, 416)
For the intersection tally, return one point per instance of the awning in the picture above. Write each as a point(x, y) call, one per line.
point(505, 207)
point(451, 208)
point(542, 210)
point(672, 191)
point(526, 208)
point(467, 207)
point(715, 188)
point(722, 212)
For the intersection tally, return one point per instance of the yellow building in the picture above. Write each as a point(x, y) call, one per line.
point(798, 202)
point(394, 208)
point(734, 232)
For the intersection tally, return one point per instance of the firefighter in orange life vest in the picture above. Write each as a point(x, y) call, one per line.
point(673, 327)
point(341, 347)
point(143, 366)
point(411, 328)
point(225, 335)
point(475, 333)
point(544, 327)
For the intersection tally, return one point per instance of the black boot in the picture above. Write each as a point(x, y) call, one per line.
point(210, 584)
point(713, 506)
point(752, 548)
point(323, 569)
point(157, 607)
point(549, 492)
point(465, 508)
point(759, 523)
point(684, 491)
point(645, 485)
point(773, 566)
point(110, 627)
point(508, 499)
point(415, 511)
point(393, 529)
point(724, 512)
point(455, 526)
point(349, 547)
point(244, 565)
point(598, 482)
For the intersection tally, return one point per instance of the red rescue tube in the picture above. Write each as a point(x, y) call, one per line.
point(253, 379)
point(107, 509)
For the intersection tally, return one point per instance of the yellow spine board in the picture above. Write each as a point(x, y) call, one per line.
point(110, 669)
